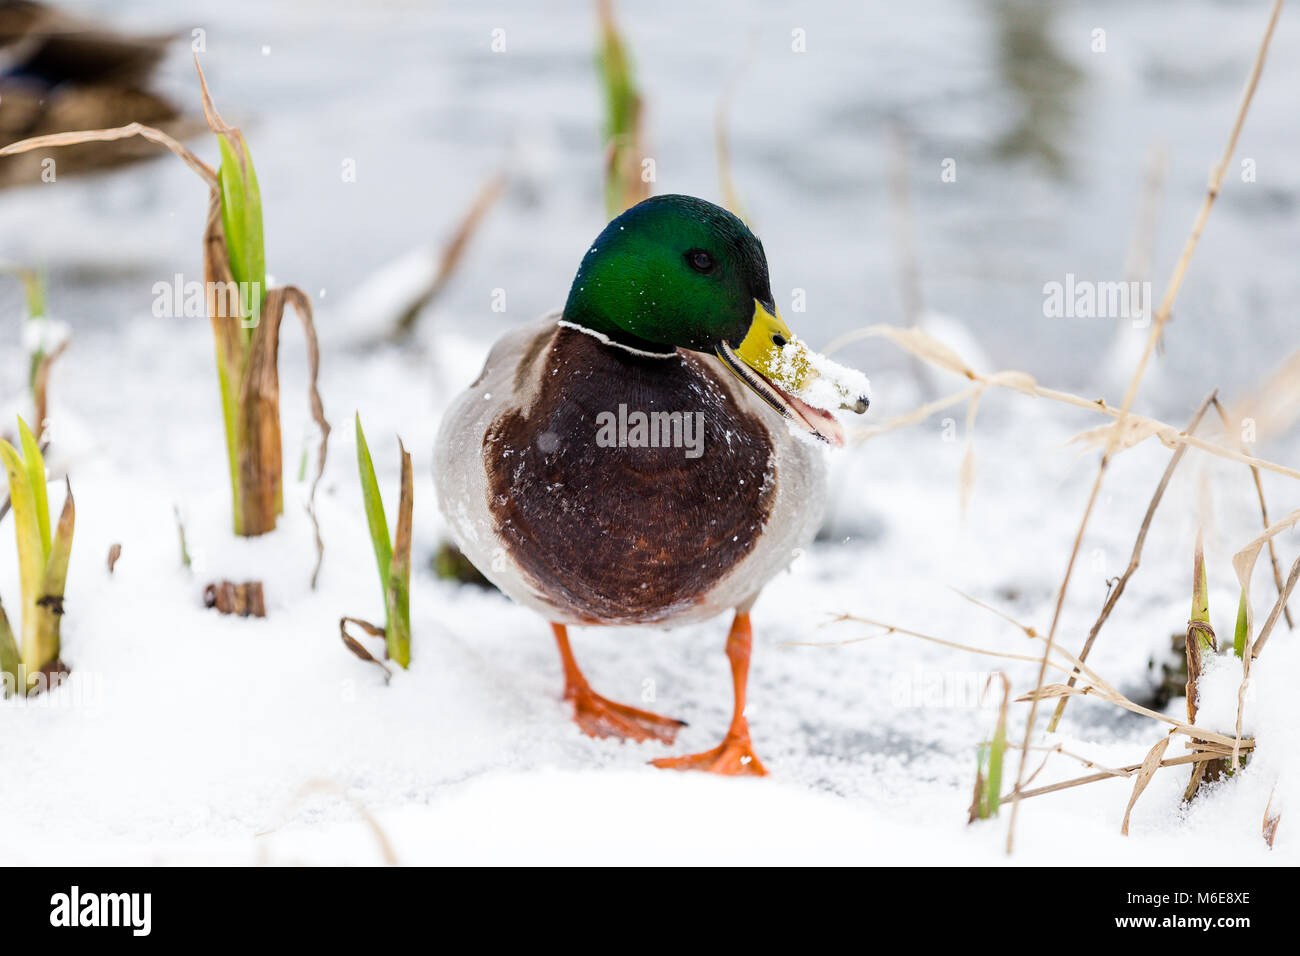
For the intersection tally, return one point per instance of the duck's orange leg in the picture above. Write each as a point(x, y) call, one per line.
point(598, 717)
point(735, 755)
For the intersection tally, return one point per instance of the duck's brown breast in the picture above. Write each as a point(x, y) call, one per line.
point(603, 524)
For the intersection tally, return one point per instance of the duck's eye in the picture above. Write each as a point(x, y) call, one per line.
point(778, 340)
point(700, 260)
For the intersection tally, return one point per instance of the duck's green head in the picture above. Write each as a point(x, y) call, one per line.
point(672, 271)
point(678, 272)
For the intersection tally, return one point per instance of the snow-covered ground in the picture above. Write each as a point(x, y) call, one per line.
point(184, 736)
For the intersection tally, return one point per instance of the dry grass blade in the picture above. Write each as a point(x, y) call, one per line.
point(1278, 605)
point(1024, 383)
point(1054, 691)
point(52, 140)
point(359, 649)
point(41, 387)
point(1148, 769)
point(1243, 562)
point(450, 257)
point(1100, 684)
point(1157, 327)
point(1263, 505)
point(328, 786)
point(1108, 774)
point(1098, 688)
point(1135, 558)
point(966, 479)
point(262, 382)
point(891, 629)
point(1058, 749)
point(915, 342)
point(1271, 819)
point(1133, 431)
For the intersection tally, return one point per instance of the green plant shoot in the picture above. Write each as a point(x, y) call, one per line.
point(34, 291)
point(241, 220)
point(246, 329)
point(42, 561)
point(241, 224)
point(1239, 635)
point(997, 750)
point(10, 658)
point(992, 755)
point(392, 556)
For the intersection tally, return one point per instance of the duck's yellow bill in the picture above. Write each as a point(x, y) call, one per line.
point(765, 350)
point(778, 367)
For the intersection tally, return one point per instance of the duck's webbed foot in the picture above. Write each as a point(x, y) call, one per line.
point(597, 716)
point(735, 755)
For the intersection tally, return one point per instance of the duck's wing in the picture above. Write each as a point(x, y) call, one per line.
point(507, 382)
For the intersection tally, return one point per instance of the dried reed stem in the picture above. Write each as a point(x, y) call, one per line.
point(1110, 775)
point(1160, 318)
point(1263, 511)
point(1135, 558)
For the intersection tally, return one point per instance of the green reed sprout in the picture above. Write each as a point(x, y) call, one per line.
point(43, 554)
point(393, 557)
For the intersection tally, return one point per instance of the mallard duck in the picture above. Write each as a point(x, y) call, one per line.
point(642, 457)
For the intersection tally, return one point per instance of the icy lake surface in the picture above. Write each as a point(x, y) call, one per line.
point(188, 736)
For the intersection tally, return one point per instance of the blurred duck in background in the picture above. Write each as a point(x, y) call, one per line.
point(60, 72)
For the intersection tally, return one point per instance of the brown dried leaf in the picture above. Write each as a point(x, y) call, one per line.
point(405, 510)
point(41, 387)
point(153, 135)
point(1271, 819)
point(1134, 430)
point(1149, 767)
point(261, 403)
point(1020, 381)
point(1243, 562)
point(973, 813)
point(923, 346)
point(1050, 692)
point(357, 648)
